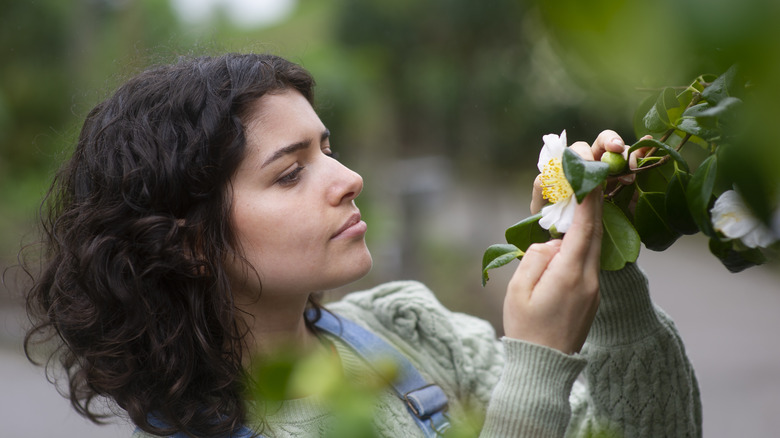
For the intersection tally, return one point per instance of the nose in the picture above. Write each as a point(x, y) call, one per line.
point(346, 186)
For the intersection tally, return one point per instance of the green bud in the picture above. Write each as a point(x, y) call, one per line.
point(616, 162)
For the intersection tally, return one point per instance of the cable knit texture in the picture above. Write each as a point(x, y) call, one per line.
point(639, 380)
point(635, 380)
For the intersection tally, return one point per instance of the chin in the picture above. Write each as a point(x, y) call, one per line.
point(358, 269)
point(363, 267)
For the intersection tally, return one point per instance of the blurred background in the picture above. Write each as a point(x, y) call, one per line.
point(441, 106)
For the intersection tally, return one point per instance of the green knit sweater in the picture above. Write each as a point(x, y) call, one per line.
point(634, 377)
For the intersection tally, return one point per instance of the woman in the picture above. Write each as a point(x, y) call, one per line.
point(201, 210)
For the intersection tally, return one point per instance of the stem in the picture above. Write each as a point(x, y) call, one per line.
point(684, 140)
point(694, 100)
point(615, 191)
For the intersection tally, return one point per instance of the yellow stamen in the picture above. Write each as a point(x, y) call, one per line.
point(555, 186)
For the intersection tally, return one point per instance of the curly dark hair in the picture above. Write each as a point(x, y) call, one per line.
point(136, 227)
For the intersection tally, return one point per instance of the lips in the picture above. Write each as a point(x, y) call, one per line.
point(350, 224)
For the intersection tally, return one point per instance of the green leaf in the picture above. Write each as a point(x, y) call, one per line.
point(721, 87)
point(651, 222)
point(620, 242)
point(685, 97)
point(735, 260)
point(745, 167)
point(653, 180)
point(583, 175)
point(527, 232)
point(706, 120)
point(642, 114)
point(496, 256)
point(695, 127)
point(699, 194)
point(677, 213)
point(651, 142)
point(724, 109)
point(664, 114)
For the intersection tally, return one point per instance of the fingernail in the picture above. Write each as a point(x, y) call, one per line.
point(617, 141)
point(553, 242)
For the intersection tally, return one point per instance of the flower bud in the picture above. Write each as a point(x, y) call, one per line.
point(616, 162)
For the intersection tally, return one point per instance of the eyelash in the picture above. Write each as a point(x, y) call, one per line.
point(295, 175)
point(291, 178)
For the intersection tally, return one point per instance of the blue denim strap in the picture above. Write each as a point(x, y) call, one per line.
point(426, 402)
point(242, 432)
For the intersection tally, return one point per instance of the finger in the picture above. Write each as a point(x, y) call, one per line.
point(537, 200)
point(583, 150)
point(593, 258)
point(608, 140)
point(633, 158)
point(583, 239)
point(533, 265)
point(627, 179)
point(632, 162)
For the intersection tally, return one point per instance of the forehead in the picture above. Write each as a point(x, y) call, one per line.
point(277, 120)
point(284, 116)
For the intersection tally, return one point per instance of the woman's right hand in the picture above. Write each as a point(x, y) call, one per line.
point(553, 295)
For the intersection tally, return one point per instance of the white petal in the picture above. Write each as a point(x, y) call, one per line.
point(567, 215)
point(550, 215)
point(760, 236)
point(553, 148)
point(560, 214)
point(728, 201)
point(729, 215)
point(734, 228)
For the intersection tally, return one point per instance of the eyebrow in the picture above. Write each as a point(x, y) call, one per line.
point(292, 148)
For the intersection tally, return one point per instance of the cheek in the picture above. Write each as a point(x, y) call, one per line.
point(274, 234)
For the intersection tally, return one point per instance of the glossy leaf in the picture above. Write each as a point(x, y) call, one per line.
point(653, 180)
point(651, 221)
point(724, 109)
point(496, 256)
point(695, 127)
point(699, 194)
point(665, 112)
point(640, 125)
point(620, 242)
point(742, 167)
point(720, 88)
point(660, 145)
point(734, 260)
point(653, 122)
point(527, 232)
point(677, 213)
point(583, 175)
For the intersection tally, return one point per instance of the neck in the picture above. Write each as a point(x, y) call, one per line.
point(276, 323)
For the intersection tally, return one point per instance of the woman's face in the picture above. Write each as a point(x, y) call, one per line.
point(293, 208)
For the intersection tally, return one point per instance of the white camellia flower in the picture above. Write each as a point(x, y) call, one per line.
point(732, 217)
point(555, 187)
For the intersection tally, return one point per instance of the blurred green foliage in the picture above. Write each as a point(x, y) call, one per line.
point(476, 82)
point(615, 46)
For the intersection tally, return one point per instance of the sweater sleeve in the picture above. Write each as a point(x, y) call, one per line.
point(638, 380)
point(517, 388)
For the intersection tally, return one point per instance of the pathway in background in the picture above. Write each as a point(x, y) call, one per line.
point(729, 322)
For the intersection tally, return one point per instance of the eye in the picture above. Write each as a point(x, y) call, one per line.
point(330, 153)
point(290, 178)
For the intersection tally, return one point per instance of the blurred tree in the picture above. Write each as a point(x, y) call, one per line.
point(54, 52)
point(459, 77)
point(613, 46)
